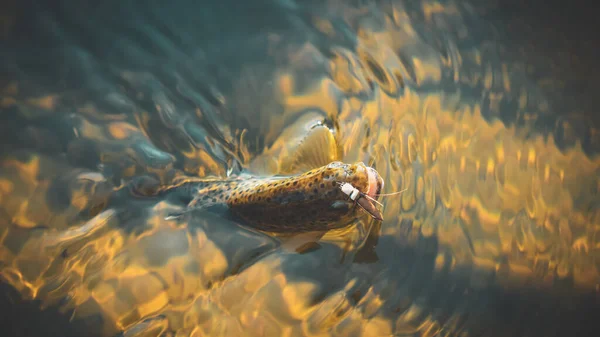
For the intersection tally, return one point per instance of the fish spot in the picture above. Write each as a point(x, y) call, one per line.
point(322, 185)
point(295, 183)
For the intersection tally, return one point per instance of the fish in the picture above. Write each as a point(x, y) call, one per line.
point(311, 201)
point(314, 191)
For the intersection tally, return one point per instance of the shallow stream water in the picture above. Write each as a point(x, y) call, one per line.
point(497, 233)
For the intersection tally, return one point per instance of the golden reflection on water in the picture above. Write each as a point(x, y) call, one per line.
point(507, 207)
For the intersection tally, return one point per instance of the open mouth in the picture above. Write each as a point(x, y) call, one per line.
point(373, 191)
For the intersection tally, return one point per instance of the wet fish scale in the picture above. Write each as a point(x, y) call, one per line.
point(312, 201)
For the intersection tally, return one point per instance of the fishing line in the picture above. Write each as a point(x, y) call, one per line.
point(390, 194)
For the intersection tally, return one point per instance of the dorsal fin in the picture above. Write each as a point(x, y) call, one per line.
point(317, 149)
point(304, 145)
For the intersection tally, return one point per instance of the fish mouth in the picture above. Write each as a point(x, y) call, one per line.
point(375, 183)
point(373, 190)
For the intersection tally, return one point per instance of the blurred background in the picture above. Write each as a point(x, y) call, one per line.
point(484, 111)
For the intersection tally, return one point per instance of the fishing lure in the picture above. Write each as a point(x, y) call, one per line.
point(364, 201)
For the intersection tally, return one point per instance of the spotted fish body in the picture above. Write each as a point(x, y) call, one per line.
point(312, 201)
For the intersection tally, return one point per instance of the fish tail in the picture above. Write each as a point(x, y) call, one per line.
point(185, 192)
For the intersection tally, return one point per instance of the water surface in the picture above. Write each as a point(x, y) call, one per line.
point(497, 233)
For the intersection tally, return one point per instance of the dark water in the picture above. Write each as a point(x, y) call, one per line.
point(482, 112)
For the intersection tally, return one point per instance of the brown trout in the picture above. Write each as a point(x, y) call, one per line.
point(312, 201)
